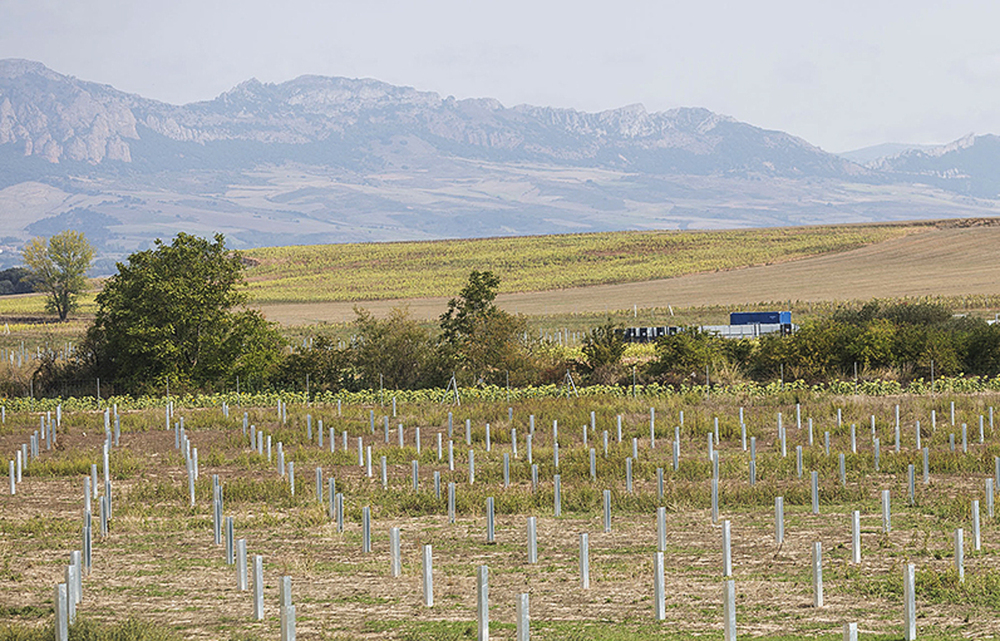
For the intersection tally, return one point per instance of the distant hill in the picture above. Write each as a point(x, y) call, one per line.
point(969, 166)
point(867, 155)
point(324, 160)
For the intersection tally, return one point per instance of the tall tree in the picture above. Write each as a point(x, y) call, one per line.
point(60, 264)
point(172, 314)
point(474, 304)
point(397, 349)
point(480, 340)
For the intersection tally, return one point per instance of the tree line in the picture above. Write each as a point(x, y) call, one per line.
point(175, 317)
point(885, 340)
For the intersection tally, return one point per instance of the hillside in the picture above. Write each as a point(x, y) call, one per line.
point(960, 262)
point(366, 272)
point(332, 160)
point(968, 166)
point(596, 273)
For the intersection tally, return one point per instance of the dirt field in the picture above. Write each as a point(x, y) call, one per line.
point(935, 262)
point(160, 563)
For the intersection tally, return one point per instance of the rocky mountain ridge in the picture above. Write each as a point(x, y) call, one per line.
point(61, 118)
point(325, 160)
point(969, 165)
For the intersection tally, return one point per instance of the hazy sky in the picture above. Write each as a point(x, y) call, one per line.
point(839, 74)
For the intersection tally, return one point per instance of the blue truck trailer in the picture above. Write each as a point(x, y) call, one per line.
point(741, 325)
point(760, 318)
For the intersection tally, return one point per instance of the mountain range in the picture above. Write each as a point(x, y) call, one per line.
point(320, 159)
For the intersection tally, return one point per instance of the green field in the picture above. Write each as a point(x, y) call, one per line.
point(381, 271)
point(31, 305)
point(321, 284)
point(378, 271)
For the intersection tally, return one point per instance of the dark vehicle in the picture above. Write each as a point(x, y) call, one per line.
point(760, 318)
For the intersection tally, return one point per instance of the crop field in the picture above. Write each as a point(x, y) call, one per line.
point(164, 562)
point(654, 273)
point(956, 262)
point(33, 306)
point(378, 271)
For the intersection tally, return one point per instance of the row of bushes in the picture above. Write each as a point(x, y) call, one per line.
point(493, 393)
point(895, 341)
point(877, 341)
point(914, 345)
point(17, 280)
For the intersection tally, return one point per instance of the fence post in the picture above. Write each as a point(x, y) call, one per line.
point(607, 511)
point(490, 530)
point(230, 553)
point(557, 498)
point(817, 567)
point(62, 612)
point(661, 529)
point(977, 540)
point(241, 564)
point(428, 577)
point(258, 587)
point(715, 501)
point(394, 554)
point(483, 602)
point(856, 536)
point(886, 512)
point(909, 603)
point(366, 530)
point(729, 610)
point(451, 502)
point(960, 554)
point(815, 492)
point(532, 540)
point(659, 597)
point(727, 554)
point(522, 619)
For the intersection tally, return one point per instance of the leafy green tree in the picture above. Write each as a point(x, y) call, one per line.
point(16, 280)
point(173, 314)
point(326, 366)
point(497, 348)
point(982, 349)
point(481, 341)
point(475, 302)
point(942, 347)
point(60, 265)
point(397, 349)
point(603, 349)
point(873, 347)
point(684, 356)
point(816, 352)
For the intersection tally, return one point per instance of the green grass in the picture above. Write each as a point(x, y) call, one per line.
point(591, 631)
point(86, 630)
point(34, 305)
point(375, 271)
